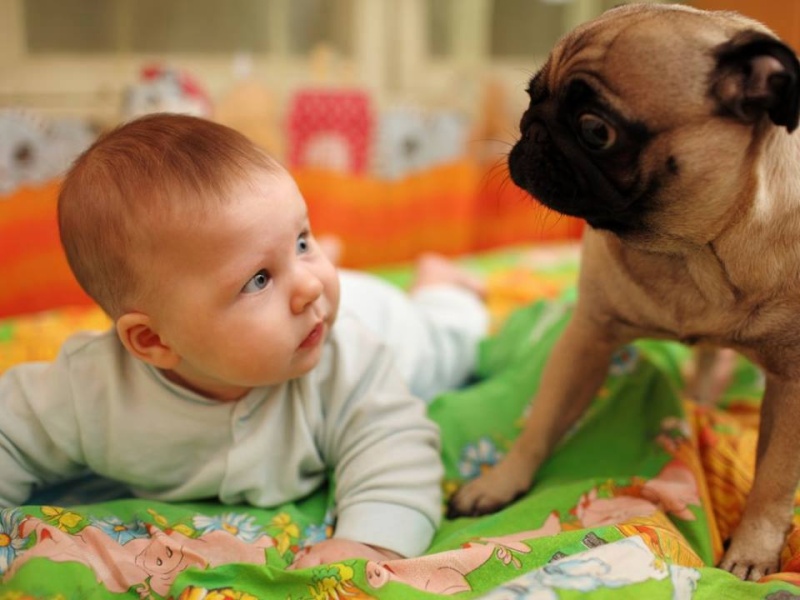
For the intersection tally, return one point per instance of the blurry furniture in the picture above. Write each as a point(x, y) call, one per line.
point(330, 128)
point(781, 16)
point(77, 57)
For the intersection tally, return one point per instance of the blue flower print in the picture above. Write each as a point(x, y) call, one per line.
point(10, 541)
point(120, 532)
point(318, 532)
point(624, 361)
point(478, 456)
point(241, 525)
point(314, 533)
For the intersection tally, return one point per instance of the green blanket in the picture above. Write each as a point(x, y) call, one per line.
point(626, 507)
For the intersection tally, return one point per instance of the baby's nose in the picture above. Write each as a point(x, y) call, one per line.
point(307, 288)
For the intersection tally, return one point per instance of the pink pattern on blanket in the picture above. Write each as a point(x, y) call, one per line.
point(446, 573)
point(149, 563)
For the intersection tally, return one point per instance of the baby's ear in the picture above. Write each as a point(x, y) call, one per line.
point(136, 332)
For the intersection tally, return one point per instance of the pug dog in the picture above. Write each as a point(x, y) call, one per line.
point(669, 130)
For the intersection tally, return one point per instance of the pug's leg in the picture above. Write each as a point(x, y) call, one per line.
point(701, 381)
point(712, 372)
point(757, 541)
point(576, 368)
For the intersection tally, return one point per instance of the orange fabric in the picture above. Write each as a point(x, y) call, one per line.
point(34, 274)
point(504, 214)
point(452, 209)
point(782, 17)
point(727, 439)
point(383, 222)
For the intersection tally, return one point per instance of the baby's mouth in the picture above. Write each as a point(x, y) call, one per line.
point(313, 338)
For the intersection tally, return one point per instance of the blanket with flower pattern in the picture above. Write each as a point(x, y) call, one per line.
point(636, 502)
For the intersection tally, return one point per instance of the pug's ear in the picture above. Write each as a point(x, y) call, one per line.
point(757, 74)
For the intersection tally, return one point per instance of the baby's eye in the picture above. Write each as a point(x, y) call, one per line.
point(303, 243)
point(259, 281)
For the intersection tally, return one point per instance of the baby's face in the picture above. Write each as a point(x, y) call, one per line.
point(248, 297)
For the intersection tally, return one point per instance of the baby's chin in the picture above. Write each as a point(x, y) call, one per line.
point(309, 362)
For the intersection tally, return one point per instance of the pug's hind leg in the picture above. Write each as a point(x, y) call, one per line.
point(576, 368)
point(711, 373)
point(757, 541)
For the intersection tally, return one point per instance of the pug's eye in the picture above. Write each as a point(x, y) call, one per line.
point(595, 133)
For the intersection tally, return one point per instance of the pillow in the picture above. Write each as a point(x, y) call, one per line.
point(38, 337)
point(383, 221)
point(454, 209)
point(33, 269)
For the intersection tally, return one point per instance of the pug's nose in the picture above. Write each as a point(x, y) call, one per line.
point(535, 132)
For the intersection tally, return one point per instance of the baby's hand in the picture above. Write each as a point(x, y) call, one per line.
point(334, 550)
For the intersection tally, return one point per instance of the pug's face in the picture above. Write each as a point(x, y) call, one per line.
point(651, 120)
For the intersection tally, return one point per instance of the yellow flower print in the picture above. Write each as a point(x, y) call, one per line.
point(160, 520)
point(288, 531)
point(335, 582)
point(63, 519)
point(227, 594)
point(16, 595)
point(193, 593)
point(449, 487)
point(325, 588)
point(197, 593)
point(184, 529)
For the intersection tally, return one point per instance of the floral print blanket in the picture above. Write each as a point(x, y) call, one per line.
point(636, 502)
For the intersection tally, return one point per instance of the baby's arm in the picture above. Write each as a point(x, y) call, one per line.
point(384, 452)
point(36, 410)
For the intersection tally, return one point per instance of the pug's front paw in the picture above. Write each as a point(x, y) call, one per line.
point(493, 490)
point(754, 552)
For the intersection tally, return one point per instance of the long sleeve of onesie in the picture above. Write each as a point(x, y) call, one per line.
point(382, 447)
point(97, 407)
point(37, 417)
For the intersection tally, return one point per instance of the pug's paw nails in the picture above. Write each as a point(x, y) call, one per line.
point(482, 496)
point(469, 502)
point(748, 569)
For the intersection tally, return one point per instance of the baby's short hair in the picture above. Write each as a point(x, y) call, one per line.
point(132, 178)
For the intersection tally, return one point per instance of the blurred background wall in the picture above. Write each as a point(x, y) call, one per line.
point(395, 116)
point(78, 56)
point(82, 57)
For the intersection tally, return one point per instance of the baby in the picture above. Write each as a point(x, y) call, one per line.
point(224, 375)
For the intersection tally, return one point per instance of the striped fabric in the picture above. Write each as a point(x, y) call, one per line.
point(454, 209)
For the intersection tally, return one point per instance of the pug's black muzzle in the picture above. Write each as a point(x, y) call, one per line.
point(562, 178)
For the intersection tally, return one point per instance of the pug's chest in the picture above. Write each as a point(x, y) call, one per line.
point(687, 321)
point(685, 317)
point(765, 328)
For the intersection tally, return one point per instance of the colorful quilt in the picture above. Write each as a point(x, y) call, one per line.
point(634, 503)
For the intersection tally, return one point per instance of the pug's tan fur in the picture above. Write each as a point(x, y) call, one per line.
point(694, 228)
